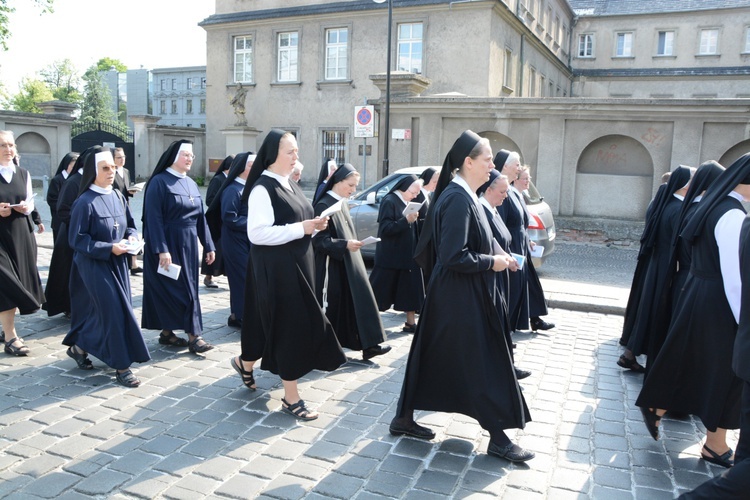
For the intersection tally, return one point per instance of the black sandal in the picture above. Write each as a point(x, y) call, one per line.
point(630, 364)
point(22, 350)
point(128, 379)
point(196, 348)
point(82, 359)
point(409, 327)
point(172, 340)
point(650, 418)
point(298, 410)
point(247, 376)
point(724, 460)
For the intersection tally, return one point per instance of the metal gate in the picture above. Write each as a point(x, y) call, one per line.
point(89, 133)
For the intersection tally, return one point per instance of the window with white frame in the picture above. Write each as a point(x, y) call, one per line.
point(542, 81)
point(747, 40)
point(203, 82)
point(334, 145)
point(624, 44)
point(189, 83)
point(203, 106)
point(665, 45)
point(174, 83)
point(243, 59)
point(586, 45)
point(532, 82)
point(174, 106)
point(337, 44)
point(287, 57)
point(189, 107)
point(162, 84)
point(410, 47)
point(508, 69)
point(162, 107)
point(709, 42)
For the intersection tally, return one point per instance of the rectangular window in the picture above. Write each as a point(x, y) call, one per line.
point(709, 42)
point(174, 106)
point(189, 83)
point(162, 107)
point(203, 82)
point(334, 145)
point(549, 21)
point(556, 29)
point(532, 82)
point(243, 59)
point(410, 47)
point(163, 84)
point(586, 45)
point(624, 45)
point(287, 57)
point(189, 107)
point(174, 83)
point(542, 81)
point(508, 69)
point(203, 106)
point(337, 42)
point(666, 43)
point(747, 40)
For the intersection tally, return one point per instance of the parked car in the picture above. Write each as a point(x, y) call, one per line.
point(364, 208)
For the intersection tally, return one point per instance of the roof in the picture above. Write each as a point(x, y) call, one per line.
point(593, 8)
point(663, 72)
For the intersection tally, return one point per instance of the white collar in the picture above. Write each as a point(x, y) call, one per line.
point(736, 195)
point(462, 182)
point(226, 173)
point(284, 181)
point(80, 170)
point(698, 198)
point(678, 196)
point(65, 174)
point(101, 190)
point(484, 201)
point(401, 197)
point(336, 196)
point(240, 180)
point(176, 173)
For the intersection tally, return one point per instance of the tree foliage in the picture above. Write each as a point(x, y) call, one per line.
point(31, 93)
point(107, 63)
point(63, 79)
point(97, 101)
point(5, 10)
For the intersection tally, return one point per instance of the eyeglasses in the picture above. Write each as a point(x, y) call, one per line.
point(119, 157)
point(187, 155)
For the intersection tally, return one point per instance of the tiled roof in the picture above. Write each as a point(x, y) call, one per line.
point(629, 7)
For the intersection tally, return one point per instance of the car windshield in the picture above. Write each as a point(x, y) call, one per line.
point(531, 195)
point(381, 189)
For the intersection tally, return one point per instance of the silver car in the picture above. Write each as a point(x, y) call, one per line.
point(364, 208)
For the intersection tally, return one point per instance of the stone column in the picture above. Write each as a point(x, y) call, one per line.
point(240, 139)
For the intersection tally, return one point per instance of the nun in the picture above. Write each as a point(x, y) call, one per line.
point(57, 290)
point(693, 371)
point(657, 242)
point(283, 323)
point(459, 326)
point(492, 194)
point(102, 322)
point(217, 267)
point(326, 170)
point(227, 220)
point(173, 223)
point(396, 278)
point(342, 286)
point(55, 185)
point(21, 288)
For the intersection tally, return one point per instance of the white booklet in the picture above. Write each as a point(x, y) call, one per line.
point(173, 271)
point(370, 240)
point(411, 208)
point(134, 247)
point(520, 259)
point(336, 207)
point(496, 248)
point(25, 201)
point(136, 187)
point(537, 251)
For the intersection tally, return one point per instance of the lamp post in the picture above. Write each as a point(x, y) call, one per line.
point(387, 89)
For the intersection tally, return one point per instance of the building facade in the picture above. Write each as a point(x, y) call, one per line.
point(178, 96)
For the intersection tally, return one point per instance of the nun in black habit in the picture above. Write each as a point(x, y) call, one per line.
point(283, 321)
point(20, 287)
point(396, 278)
point(173, 222)
point(55, 185)
point(102, 320)
point(342, 286)
point(227, 220)
point(459, 326)
point(692, 373)
point(657, 239)
point(326, 171)
point(57, 290)
point(217, 267)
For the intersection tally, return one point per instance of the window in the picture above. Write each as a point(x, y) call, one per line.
point(287, 57)
point(709, 42)
point(203, 106)
point(203, 82)
point(174, 106)
point(243, 59)
point(174, 83)
point(163, 84)
point(189, 83)
point(666, 43)
point(336, 53)
point(189, 107)
point(556, 29)
point(747, 40)
point(508, 69)
point(410, 47)
point(532, 82)
point(624, 46)
point(586, 45)
point(162, 107)
point(542, 81)
point(334, 145)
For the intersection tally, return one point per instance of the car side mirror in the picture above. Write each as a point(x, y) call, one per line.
point(370, 198)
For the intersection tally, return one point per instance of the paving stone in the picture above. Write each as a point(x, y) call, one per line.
point(388, 484)
point(288, 487)
point(336, 485)
point(163, 445)
point(178, 464)
point(204, 447)
point(102, 482)
point(614, 478)
point(265, 467)
point(610, 493)
point(52, 485)
point(135, 463)
point(401, 465)
point(309, 468)
point(436, 481)
point(326, 451)
point(416, 448)
point(353, 465)
point(38, 466)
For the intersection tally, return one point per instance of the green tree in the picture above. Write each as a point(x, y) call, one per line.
point(107, 63)
point(5, 9)
point(31, 93)
point(63, 79)
point(97, 101)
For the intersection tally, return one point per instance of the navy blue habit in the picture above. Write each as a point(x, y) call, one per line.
point(234, 243)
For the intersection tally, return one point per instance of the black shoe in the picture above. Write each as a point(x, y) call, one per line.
point(630, 364)
point(82, 359)
point(236, 323)
point(514, 345)
point(413, 430)
point(522, 374)
point(373, 351)
point(136, 271)
point(210, 283)
point(512, 452)
point(724, 460)
point(540, 324)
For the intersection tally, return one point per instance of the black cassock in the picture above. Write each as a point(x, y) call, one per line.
point(283, 322)
point(692, 373)
point(53, 193)
point(396, 278)
point(351, 305)
point(217, 267)
point(235, 244)
point(57, 290)
point(459, 326)
point(19, 278)
point(102, 321)
point(173, 221)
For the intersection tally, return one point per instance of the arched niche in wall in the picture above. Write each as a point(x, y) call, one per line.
point(734, 152)
point(35, 153)
point(614, 176)
point(499, 141)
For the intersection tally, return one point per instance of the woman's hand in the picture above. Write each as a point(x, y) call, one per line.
point(21, 208)
point(40, 228)
point(316, 224)
point(4, 209)
point(210, 257)
point(353, 245)
point(165, 259)
point(412, 217)
point(119, 248)
point(532, 244)
point(513, 266)
point(502, 262)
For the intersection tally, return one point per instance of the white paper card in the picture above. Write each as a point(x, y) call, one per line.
point(25, 201)
point(173, 271)
point(336, 207)
point(137, 187)
point(496, 248)
point(411, 208)
point(134, 247)
point(537, 251)
point(370, 240)
point(520, 259)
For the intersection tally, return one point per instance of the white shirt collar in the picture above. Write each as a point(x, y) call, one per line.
point(240, 180)
point(7, 172)
point(284, 181)
point(736, 195)
point(486, 203)
point(118, 171)
point(65, 174)
point(698, 198)
point(461, 182)
point(101, 190)
point(176, 173)
point(336, 196)
point(678, 196)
